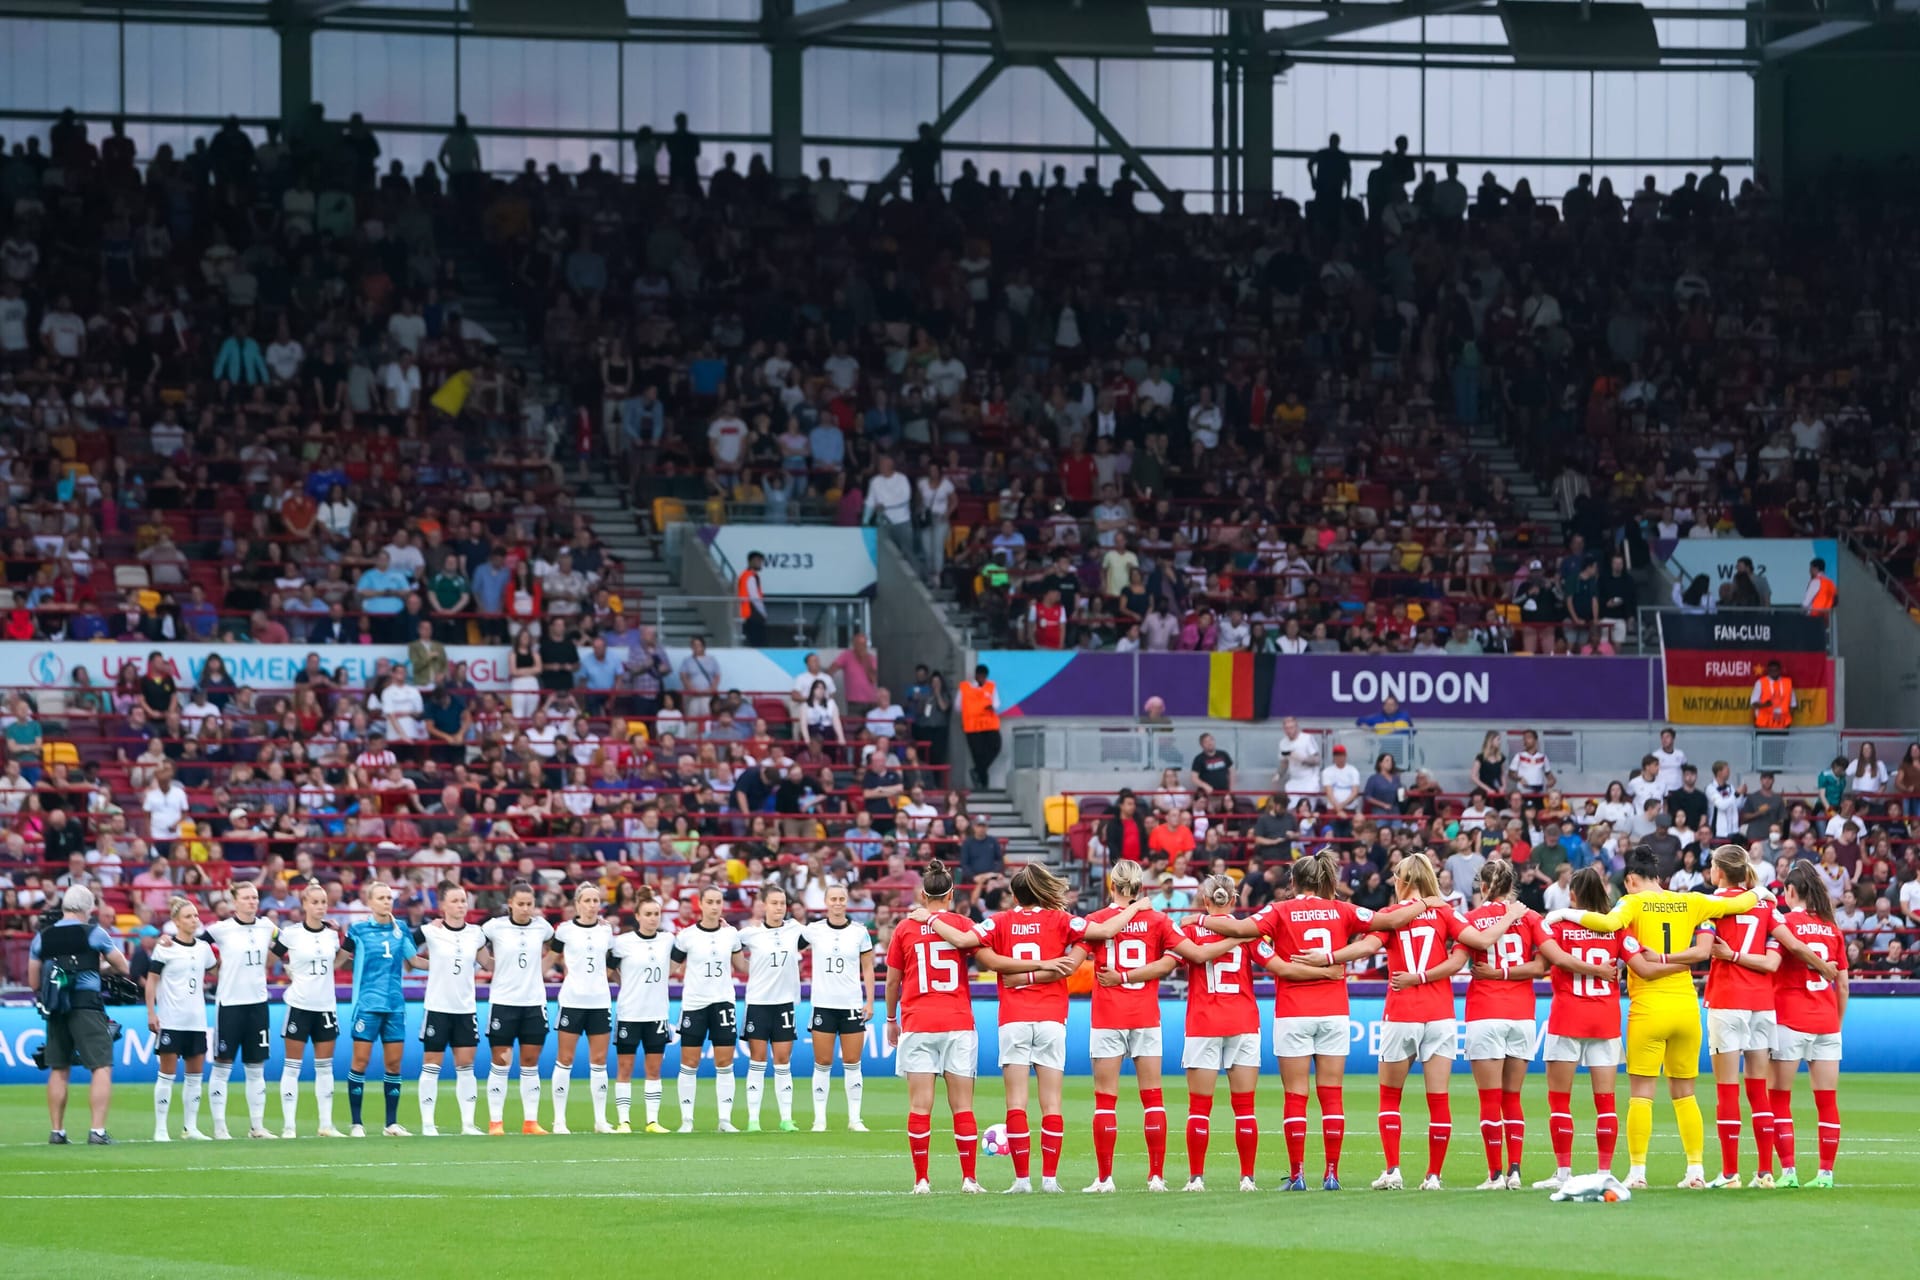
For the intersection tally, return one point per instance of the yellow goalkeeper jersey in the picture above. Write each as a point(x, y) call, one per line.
point(1664, 921)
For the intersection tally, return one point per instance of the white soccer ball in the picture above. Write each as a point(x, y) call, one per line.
point(994, 1140)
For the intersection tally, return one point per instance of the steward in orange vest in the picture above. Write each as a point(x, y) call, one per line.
point(1772, 700)
point(980, 721)
point(1822, 595)
point(753, 602)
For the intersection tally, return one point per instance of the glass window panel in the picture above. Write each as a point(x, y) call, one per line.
point(201, 71)
point(860, 93)
point(539, 84)
point(722, 88)
point(1024, 105)
point(406, 79)
point(1164, 103)
point(47, 66)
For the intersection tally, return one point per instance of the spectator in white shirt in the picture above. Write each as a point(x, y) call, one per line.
point(407, 327)
point(1529, 767)
point(1203, 421)
point(1299, 761)
point(1671, 759)
point(842, 370)
point(1646, 784)
point(890, 504)
point(400, 383)
point(727, 437)
point(1723, 801)
point(1340, 784)
point(401, 704)
point(62, 332)
point(946, 374)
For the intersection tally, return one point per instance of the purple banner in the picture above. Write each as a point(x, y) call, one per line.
point(1328, 686)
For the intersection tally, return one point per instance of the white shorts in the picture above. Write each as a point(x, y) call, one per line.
point(1740, 1030)
point(1417, 1041)
point(1219, 1053)
point(1034, 1044)
point(1583, 1052)
point(954, 1053)
point(1310, 1037)
point(1124, 1042)
point(1489, 1038)
point(1805, 1046)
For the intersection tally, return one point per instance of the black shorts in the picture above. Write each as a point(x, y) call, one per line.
point(839, 1022)
point(443, 1031)
point(586, 1022)
point(770, 1022)
point(507, 1023)
point(243, 1033)
point(314, 1026)
point(712, 1025)
point(649, 1038)
point(188, 1044)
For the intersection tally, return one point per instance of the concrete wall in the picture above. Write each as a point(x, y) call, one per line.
point(1880, 647)
point(908, 629)
point(700, 576)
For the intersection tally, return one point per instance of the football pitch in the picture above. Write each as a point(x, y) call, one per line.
point(834, 1204)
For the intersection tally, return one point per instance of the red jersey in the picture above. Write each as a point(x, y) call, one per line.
point(934, 994)
point(1750, 934)
point(1803, 1000)
point(1505, 998)
point(1140, 942)
point(1423, 943)
point(1297, 926)
point(1037, 934)
point(1220, 993)
point(1049, 626)
point(1586, 1008)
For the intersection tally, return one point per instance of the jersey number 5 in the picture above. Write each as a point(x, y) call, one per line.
point(938, 970)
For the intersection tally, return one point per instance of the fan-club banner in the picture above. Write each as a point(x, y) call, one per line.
point(1711, 661)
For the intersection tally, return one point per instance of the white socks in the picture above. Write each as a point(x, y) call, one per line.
point(323, 1088)
point(429, 1092)
point(783, 1090)
point(530, 1095)
point(562, 1088)
point(217, 1095)
point(289, 1095)
point(856, 1087)
point(623, 1101)
point(497, 1095)
point(653, 1089)
point(191, 1120)
point(724, 1081)
point(756, 1086)
point(162, 1104)
point(597, 1086)
point(467, 1090)
point(256, 1095)
point(689, 1090)
point(822, 1090)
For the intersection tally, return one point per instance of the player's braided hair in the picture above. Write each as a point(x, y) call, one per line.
point(1496, 879)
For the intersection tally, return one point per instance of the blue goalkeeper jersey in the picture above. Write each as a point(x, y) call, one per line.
point(380, 954)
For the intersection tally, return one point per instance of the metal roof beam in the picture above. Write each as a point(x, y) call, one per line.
point(1362, 17)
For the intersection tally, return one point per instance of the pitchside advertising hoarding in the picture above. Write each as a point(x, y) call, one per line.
point(1877, 1037)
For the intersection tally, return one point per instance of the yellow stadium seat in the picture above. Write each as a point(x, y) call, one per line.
point(1062, 812)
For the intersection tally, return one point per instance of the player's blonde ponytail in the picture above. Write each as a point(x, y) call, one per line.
point(1731, 860)
point(1124, 879)
point(1416, 877)
point(1218, 892)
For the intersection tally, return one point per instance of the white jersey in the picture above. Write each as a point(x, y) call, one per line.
point(308, 956)
point(644, 963)
point(837, 982)
point(773, 963)
point(708, 955)
point(451, 964)
point(519, 952)
point(180, 1000)
point(584, 948)
point(243, 960)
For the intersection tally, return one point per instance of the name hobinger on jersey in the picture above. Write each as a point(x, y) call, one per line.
point(1412, 687)
point(1758, 632)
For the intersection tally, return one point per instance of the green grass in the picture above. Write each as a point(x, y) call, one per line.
point(833, 1204)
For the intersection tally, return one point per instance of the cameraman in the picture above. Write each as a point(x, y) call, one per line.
point(69, 953)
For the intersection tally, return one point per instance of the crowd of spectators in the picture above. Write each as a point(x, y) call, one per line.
point(1858, 827)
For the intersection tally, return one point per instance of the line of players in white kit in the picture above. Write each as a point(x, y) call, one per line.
point(514, 953)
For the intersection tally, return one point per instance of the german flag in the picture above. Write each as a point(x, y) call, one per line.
point(1240, 686)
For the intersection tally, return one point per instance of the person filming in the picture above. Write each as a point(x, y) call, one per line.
point(63, 967)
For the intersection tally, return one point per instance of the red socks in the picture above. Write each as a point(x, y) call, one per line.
point(1390, 1125)
point(1053, 1136)
point(1492, 1131)
point(1516, 1118)
point(1294, 1126)
point(1606, 1129)
point(919, 1142)
point(1439, 1132)
point(1333, 1125)
point(966, 1138)
point(1154, 1120)
point(1246, 1132)
point(1106, 1130)
point(1726, 1114)
point(1783, 1126)
point(1198, 1126)
point(1827, 1103)
point(1560, 1128)
point(1760, 1106)
point(1019, 1142)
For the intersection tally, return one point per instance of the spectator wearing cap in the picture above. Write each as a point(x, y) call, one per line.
point(1340, 787)
point(78, 1030)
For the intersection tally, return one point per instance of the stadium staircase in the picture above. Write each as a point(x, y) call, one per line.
point(1535, 503)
